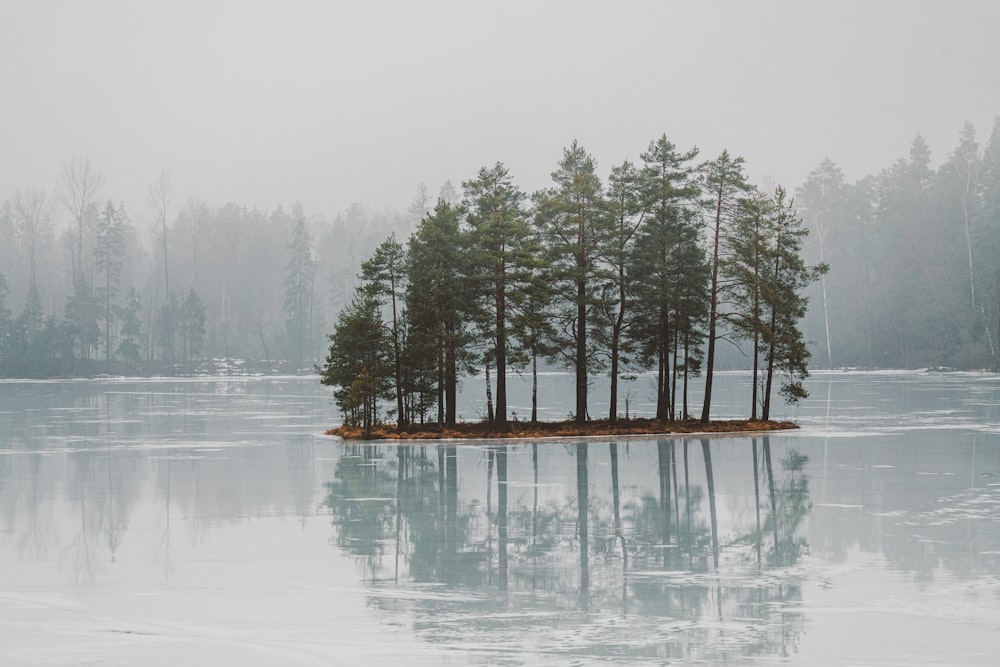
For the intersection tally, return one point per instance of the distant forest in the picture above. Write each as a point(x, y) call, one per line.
point(915, 260)
point(913, 251)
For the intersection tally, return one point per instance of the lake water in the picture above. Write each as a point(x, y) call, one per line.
point(209, 521)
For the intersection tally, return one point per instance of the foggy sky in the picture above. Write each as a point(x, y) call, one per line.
point(330, 103)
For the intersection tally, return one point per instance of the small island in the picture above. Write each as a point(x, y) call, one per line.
point(483, 430)
point(643, 276)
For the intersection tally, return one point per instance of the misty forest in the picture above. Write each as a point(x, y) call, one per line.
point(645, 267)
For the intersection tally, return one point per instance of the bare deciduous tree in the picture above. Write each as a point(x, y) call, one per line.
point(32, 224)
point(159, 197)
point(77, 187)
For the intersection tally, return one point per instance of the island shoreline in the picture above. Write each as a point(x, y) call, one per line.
point(562, 429)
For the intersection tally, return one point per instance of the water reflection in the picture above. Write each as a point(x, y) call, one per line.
point(599, 536)
point(204, 507)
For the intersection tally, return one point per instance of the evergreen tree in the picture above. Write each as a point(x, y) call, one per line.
point(6, 325)
point(987, 234)
point(667, 265)
point(421, 205)
point(168, 327)
point(130, 347)
point(572, 219)
point(535, 333)
point(725, 182)
point(300, 273)
point(501, 254)
point(82, 312)
point(787, 354)
point(746, 277)
point(384, 277)
point(191, 326)
point(32, 319)
point(823, 202)
point(918, 305)
point(449, 193)
point(438, 300)
point(109, 248)
point(358, 364)
point(624, 202)
point(959, 178)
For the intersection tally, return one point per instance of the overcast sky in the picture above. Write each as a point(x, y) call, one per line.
point(335, 102)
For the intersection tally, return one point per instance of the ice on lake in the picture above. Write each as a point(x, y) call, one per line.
point(209, 521)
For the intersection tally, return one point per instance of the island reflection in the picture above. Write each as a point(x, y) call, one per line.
point(628, 542)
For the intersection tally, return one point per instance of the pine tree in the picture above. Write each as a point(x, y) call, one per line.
point(130, 347)
point(667, 264)
point(624, 202)
point(987, 233)
point(167, 328)
point(745, 274)
point(960, 177)
point(787, 354)
point(822, 201)
point(6, 326)
point(500, 241)
point(384, 277)
point(300, 274)
point(532, 322)
point(725, 182)
point(109, 249)
point(192, 325)
point(572, 219)
point(438, 300)
point(358, 364)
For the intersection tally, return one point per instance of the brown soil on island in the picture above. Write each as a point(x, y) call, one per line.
point(560, 429)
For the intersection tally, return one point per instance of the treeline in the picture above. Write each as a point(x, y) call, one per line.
point(645, 271)
point(86, 289)
point(89, 287)
point(915, 253)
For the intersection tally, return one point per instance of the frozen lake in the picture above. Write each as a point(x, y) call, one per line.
point(209, 521)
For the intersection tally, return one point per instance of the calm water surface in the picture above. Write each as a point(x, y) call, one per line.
point(208, 521)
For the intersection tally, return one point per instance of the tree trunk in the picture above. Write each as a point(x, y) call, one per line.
point(710, 481)
point(502, 515)
point(663, 470)
point(500, 415)
point(583, 507)
point(770, 484)
point(440, 378)
point(687, 415)
point(663, 400)
point(451, 379)
point(616, 335)
point(489, 394)
point(581, 353)
point(712, 314)
point(613, 407)
point(534, 387)
point(756, 365)
point(769, 373)
point(400, 414)
point(673, 378)
point(756, 494)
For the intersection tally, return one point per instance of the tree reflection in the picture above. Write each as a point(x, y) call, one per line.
point(501, 461)
point(706, 451)
point(583, 507)
point(640, 544)
point(789, 507)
